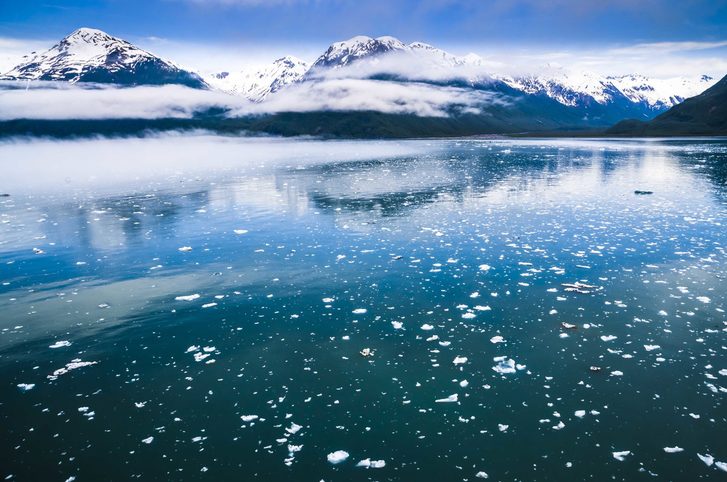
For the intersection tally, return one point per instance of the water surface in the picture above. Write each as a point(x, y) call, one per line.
point(195, 308)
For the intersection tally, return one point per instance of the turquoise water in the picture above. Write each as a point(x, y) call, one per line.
point(192, 308)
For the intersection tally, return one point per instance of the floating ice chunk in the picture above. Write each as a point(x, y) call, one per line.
point(464, 383)
point(187, 297)
point(359, 311)
point(673, 450)
point(198, 357)
point(371, 464)
point(621, 456)
point(617, 373)
point(723, 372)
point(707, 459)
point(703, 299)
point(469, 315)
point(139, 404)
point(651, 347)
point(450, 399)
point(427, 327)
point(73, 365)
point(608, 337)
point(148, 440)
point(185, 249)
point(502, 427)
point(192, 348)
point(580, 413)
point(482, 475)
point(24, 387)
point(294, 448)
point(459, 360)
point(497, 339)
point(294, 428)
point(249, 418)
point(398, 325)
point(482, 308)
point(560, 426)
point(721, 466)
point(60, 344)
point(328, 300)
point(209, 305)
point(504, 365)
point(240, 231)
point(337, 457)
point(485, 267)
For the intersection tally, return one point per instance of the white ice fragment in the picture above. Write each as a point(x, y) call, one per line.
point(192, 348)
point(608, 337)
point(184, 249)
point(703, 299)
point(60, 344)
point(359, 311)
point(485, 267)
point(450, 399)
point(24, 387)
point(504, 365)
point(464, 383)
point(580, 413)
point(651, 347)
point(482, 475)
point(459, 360)
point(502, 427)
point(328, 300)
point(497, 339)
point(294, 428)
point(721, 466)
point(209, 305)
point(398, 325)
point(617, 373)
point(371, 464)
point(707, 459)
point(148, 440)
point(469, 315)
point(73, 365)
point(621, 456)
point(427, 327)
point(249, 418)
point(240, 231)
point(337, 457)
point(673, 450)
point(187, 297)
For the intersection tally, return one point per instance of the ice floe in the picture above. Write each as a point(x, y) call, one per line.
point(337, 457)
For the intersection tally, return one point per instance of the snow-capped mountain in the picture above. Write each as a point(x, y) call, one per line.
point(660, 93)
point(575, 89)
point(360, 48)
point(90, 55)
point(344, 53)
point(257, 84)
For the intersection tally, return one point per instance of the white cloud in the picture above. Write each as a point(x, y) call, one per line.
point(44, 100)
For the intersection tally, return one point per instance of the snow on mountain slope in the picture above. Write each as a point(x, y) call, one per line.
point(340, 54)
point(660, 93)
point(90, 55)
point(257, 84)
point(574, 88)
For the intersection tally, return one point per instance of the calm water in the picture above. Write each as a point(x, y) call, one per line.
point(195, 308)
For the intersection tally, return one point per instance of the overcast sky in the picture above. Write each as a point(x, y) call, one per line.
point(654, 37)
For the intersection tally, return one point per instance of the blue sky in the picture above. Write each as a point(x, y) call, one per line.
point(258, 29)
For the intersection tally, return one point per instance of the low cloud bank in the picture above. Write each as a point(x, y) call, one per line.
point(56, 101)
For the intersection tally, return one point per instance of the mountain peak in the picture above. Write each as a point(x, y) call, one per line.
point(91, 55)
